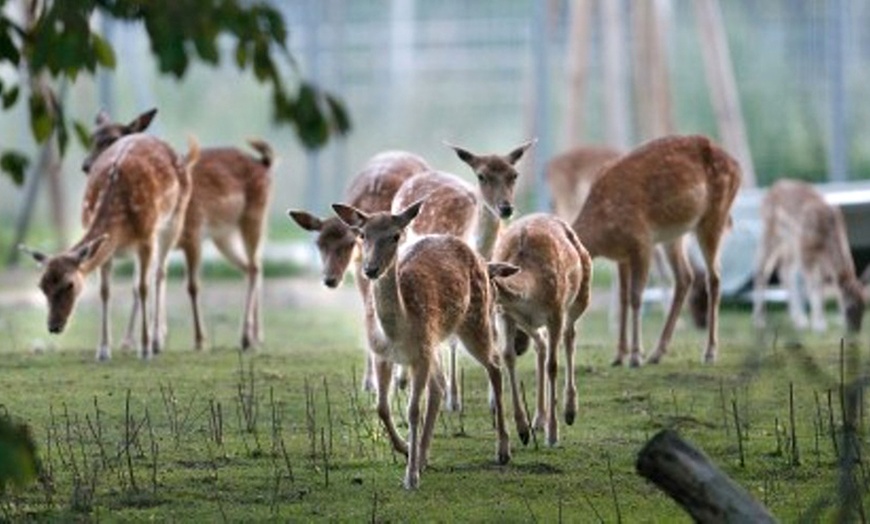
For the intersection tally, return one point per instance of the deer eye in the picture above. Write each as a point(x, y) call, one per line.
point(481, 178)
point(397, 237)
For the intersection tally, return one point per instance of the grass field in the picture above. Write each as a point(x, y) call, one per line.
point(285, 433)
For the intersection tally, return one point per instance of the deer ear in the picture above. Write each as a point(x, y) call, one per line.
point(409, 213)
point(350, 215)
point(102, 118)
point(501, 269)
point(38, 256)
point(90, 249)
point(306, 221)
point(141, 122)
point(465, 155)
point(518, 152)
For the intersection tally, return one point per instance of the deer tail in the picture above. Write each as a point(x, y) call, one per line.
point(267, 155)
point(192, 156)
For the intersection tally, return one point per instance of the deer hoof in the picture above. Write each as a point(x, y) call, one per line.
point(524, 435)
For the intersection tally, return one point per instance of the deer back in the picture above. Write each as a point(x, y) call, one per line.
point(134, 187)
point(571, 174)
point(444, 285)
point(450, 207)
point(552, 268)
point(375, 186)
point(657, 192)
point(227, 185)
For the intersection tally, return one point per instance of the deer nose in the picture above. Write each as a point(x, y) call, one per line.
point(331, 282)
point(55, 327)
point(505, 210)
point(370, 272)
point(86, 166)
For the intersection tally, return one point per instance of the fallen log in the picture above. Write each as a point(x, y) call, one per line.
point(695, 483)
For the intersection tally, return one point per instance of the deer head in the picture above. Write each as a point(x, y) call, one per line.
point(496, 176)
point(108, 132)
point(335, 243)
point(854, 303)
point(62, 280)
point(381, 234)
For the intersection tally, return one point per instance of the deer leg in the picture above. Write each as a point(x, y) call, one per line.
point(682, 271)
point(542, 413)
point(384, 377)
point(145, 256)
point(766, 263)
point(509, 353)
point(454, 400)
point(370, 325)
point(555, 331)
point(708, 241)
point(229, 248)
point(158, 334)
point(624, 284)
point(129, 341)
point(420, 373)
point(479, 343)
point(252, 234)
point(790, 272)
point(192, 257)
point(433, 404)
point(570, 386)
point(639, 271)
point(814, 282)
point(104, 350)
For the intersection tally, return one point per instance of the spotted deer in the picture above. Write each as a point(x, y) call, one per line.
point(135, 200)
point(455, 207)
point(658, 193)
point(229, 204)
point(436, 288)
point(371, 190)
point(549, 292)
point(571, 174)
point(805, 237)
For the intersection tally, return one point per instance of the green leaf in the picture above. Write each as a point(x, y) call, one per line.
point(338, 114)
point(19, 464)
point(41, 122)
point(241, 55)
point(8, 49)
point(10, 97)
point(103, 50)
point(14, 164)
point(82, 133)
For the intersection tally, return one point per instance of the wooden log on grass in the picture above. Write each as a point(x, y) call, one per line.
point(695, 483)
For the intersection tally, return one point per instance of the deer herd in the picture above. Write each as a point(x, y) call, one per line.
point(437, 259)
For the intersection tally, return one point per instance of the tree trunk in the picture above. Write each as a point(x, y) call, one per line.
point(703, 490)
point(723, 88)
point(577, 65)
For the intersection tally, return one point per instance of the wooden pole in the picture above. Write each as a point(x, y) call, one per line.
point(652, 86)
point(722, 85)
point(577, 66)
point(695, 483)
point(615, 99)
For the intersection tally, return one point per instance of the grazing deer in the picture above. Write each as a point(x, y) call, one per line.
point(229, 203)
point(438, 287)
point(135, 200)
point(371, 190)
point(551, 290)
point(656, 194)
point(571, 174)
point(806, 237)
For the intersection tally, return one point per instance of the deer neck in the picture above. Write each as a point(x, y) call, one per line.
point(389, 306)
point(104, 253)
point(489, 226)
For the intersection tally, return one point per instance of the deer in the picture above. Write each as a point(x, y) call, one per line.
point(571, 174)
point(371, 190)
point(455, 207)
point(229, 204)
point(135, 200)
point(550, 291)
point(658, 193)
point(804, 236)
point(435, 288)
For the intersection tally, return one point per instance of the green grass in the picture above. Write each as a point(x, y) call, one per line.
point(302, 388)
